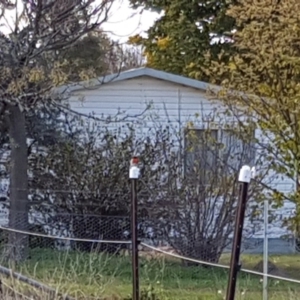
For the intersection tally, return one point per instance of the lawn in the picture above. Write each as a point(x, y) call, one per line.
point(99, 276)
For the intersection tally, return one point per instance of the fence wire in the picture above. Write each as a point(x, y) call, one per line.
point(72, 227)
point(168, 251)
point(158, 230)
point(62, 231)
point(100, 245)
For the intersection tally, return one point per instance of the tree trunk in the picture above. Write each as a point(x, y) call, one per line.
point(18, 212)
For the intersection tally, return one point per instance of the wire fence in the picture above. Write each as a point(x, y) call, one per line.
point(116, 229)
point(37, 241)
point(98, 248)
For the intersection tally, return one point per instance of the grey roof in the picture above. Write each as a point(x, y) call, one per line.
point(134, 73)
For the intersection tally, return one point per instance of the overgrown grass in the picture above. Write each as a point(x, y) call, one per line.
point(100, 276)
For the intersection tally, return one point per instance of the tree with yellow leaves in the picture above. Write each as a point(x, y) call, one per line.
point(262, 86)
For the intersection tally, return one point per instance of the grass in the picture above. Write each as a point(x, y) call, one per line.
point(100, 276)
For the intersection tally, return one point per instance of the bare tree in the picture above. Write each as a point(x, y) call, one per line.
point(187, 196)
point(29, 69)
point(194, 202)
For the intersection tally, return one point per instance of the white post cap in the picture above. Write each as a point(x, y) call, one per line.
point(134, 171)
point(245, 174)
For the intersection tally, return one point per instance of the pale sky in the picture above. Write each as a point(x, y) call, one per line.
point(122, 23)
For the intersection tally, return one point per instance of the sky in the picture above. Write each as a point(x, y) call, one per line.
point(124, 21)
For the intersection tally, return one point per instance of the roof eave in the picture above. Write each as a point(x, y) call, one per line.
point(135, 73)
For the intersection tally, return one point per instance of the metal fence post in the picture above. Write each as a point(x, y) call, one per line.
point(244, 178)
point(266, 250)
point(134, 173)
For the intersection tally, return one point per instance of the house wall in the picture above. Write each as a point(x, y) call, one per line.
point(171, 104)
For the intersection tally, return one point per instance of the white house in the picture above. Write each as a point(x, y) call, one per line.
point(175, 100)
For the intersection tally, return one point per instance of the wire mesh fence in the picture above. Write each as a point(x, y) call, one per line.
point(94, 251)
point(90, 232)
point(155, 231)
point(65, 232)
point(86, 231)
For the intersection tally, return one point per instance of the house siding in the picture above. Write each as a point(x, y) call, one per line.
point(172, 104)
point(133, 96)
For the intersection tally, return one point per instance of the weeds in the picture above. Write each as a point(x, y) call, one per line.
point(106, 277)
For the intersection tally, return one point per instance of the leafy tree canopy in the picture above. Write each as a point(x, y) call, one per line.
point(177, 41)
point(265, 72)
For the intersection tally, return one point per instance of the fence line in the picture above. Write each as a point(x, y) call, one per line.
point(64, 238)
point(154, 249)
point(186, 258)
point(219, 265)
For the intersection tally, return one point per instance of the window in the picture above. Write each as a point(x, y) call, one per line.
point(208, 152)
point(201, 150)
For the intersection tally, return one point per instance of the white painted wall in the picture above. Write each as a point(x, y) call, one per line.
point(132, 96)
point(172, 104)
